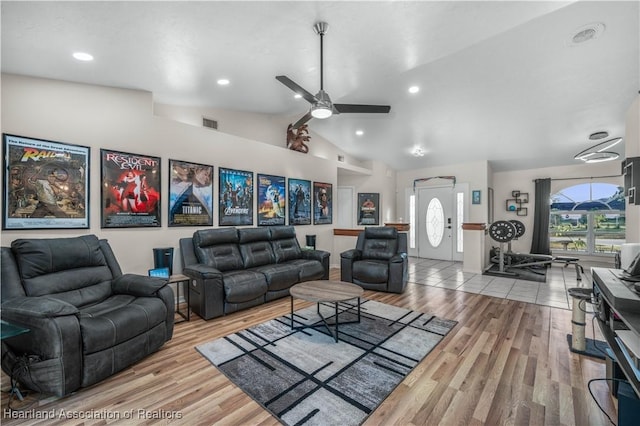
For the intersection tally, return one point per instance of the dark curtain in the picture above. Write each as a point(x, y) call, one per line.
point(540, 241)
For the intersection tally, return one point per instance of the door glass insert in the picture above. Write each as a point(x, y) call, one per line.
point(435, 222)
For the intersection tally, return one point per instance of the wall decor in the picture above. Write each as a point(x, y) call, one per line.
point(190, 194)
point(368, 208)
point(46, 184)
point(323, 203)
point(299, 202)
point(272, 200)
point(512, 205)
point(235, 197)
point(522, 211)
point(515, 204)
point(296, 138)
point(475, 196)
point(130, 190)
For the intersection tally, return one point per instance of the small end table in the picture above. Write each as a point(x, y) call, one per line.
point(185, 281)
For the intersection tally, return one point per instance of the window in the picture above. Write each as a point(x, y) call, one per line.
point(588, 218)
point(435, 222)
point(459, 221)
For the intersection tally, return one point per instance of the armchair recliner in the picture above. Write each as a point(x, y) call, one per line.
point(379, 261)
point(87, 319)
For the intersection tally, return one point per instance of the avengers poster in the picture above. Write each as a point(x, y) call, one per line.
point(236, 197)
point(299, 202)
point(272, 200)
point(130, 190)
point(45, 184)
point(322, 203)
point(190, 194)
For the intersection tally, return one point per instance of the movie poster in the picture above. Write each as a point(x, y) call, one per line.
point(46, 184)
point(368, 208)
point(322, 203)
point(130, 190)
point(272, 200)
point(190, 194)
point(236, 197)
point(299, 202)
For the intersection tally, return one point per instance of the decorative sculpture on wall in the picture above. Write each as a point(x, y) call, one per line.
point(296, 138)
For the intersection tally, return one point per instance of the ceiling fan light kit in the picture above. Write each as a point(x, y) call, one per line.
point(321, 105)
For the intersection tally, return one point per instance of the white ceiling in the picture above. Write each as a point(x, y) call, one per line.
point(499, 80)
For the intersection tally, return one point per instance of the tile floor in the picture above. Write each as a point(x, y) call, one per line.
point(553, 292)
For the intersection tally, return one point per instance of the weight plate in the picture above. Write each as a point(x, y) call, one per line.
point(519, 227)
point(502, 231)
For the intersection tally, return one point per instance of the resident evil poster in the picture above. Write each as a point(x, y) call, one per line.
point(190, 194)
point(130, 190)
point(323, 203)
point(299, 202)
point(45, 184)
point(272, 200)
point(236, 197)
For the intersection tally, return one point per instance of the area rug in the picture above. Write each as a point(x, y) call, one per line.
point(303, 377)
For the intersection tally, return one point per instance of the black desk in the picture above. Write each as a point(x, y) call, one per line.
point(618, 309)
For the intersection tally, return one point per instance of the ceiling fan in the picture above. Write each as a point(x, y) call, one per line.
point(321, 105)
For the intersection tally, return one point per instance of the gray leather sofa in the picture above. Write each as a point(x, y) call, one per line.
point(237, 268)
point(86, 319)
point(379, 261)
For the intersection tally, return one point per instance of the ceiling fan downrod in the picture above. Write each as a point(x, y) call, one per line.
point(321, 28)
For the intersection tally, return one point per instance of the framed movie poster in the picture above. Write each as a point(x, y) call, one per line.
point(272, 200)
point(130, 190)
point(236, 197)
point(323, 203)
point(46, 184)
point(190, 194)
point(299, 202)
point(368, 208)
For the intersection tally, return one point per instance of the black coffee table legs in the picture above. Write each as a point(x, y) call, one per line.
point(324, 323)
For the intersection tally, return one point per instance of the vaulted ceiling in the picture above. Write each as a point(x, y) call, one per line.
point(503, 81)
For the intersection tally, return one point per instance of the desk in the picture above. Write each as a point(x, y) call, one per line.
point(619, 310)
point(184, 280)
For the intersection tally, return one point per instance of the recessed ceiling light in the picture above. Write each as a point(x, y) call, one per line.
point(223, 82)
point(359, 132)
point(598, 135)
point(414, 89)
point(83, 56)
point(297, 96)
point(586, 33)
point(418, 152)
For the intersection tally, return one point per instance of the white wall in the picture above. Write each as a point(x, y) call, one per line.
point(632, 149)
point(119, 119)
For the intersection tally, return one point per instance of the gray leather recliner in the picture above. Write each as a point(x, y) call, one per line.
point(86, 319)
point(379, 261)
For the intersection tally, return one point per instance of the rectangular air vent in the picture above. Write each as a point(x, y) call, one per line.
point(207, 122)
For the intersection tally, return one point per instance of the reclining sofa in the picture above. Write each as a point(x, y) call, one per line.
point(237, 268)
point(86, 319)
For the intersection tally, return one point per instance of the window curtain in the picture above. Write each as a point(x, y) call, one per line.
point(540, 241)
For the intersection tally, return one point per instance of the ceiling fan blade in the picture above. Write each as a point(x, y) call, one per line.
point(303, 120)
point(350, 108)
point(296, 88)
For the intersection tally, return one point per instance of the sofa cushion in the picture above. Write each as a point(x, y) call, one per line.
point(118, 319)
point(309, 269)
point(243, 286)
point(379, 249)
point(218, 248)
point(279, 276)
point(371, 271)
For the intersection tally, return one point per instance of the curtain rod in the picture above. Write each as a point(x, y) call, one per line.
point(585, 177)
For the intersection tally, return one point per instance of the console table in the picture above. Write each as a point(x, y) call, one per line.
point(618, 315)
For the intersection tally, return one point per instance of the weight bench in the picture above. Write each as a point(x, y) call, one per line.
point(570, 261)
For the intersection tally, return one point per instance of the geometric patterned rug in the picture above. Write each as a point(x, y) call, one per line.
point(303, 377)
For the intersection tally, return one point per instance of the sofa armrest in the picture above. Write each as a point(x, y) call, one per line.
point(398, 258)
point(137, 285)
point(398, 273)
point(353, 254)
point(208, 282)
point(37, 307)
point(321, 256)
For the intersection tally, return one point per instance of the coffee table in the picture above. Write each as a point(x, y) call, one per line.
point(323, 291)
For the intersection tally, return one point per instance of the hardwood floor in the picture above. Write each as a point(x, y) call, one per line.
point(506, 362)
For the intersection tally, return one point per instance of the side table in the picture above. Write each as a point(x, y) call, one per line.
point(184, 280)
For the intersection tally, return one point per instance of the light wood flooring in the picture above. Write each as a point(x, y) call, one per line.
point(506, 362)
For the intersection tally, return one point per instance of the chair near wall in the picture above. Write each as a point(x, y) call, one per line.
point(379, 261)
point(86, 319)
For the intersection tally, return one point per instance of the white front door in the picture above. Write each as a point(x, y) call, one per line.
point(435, 223)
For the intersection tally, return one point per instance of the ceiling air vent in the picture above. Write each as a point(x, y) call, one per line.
point(207, 122)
